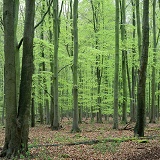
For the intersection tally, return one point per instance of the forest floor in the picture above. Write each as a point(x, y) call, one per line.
point(95, 142)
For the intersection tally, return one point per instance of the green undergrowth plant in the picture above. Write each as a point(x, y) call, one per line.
point(113, 146)
point(100, 147)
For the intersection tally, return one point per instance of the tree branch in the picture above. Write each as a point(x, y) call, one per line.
point(42, 19)
point(64, 67)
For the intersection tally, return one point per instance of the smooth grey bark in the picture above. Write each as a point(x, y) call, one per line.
point(153, 80)
point(17, 56)
point(51, 117)
point(75, 127)
point(56, 120)
point(134, 72)
point(140, 124)
point(43, 67)
point(139, 34)
point(9, 80)
point(26, 76)
point(124, 57)
point(17, 123)
point(116, 72)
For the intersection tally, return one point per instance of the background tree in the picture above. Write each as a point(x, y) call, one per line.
point(75, 127)
point(55, 79)
point(124, 60)
point(116, 72)
point(153, 106)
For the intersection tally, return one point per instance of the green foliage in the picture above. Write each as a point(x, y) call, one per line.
point(101, 147)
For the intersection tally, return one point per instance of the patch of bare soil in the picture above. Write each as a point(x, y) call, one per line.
point(95, 142)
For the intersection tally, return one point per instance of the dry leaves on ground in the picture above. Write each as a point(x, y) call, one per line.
point(51, 145)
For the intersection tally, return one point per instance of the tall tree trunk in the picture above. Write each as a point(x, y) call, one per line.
point(124, 54)
point(116, 72)
point(139, 34)
point(56, 120)
point(17, 124)
point(17, 56)
point(140, 124)
point(133, 101)
point(96, 27)
point(75, 127)
point(153, 107)
point(51, 69)
point(9, 80)
point(26, 76)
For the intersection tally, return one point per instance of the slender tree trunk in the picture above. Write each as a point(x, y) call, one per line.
point(124, 54)
point(158, 107)
point(32, 113)
point(51, 70)
point(96, 27)
point(153, 107)
point(75, 127)
point(116, 73)
point(140, 124)
point(133, 101)
point(56, 120)
point(139, 34)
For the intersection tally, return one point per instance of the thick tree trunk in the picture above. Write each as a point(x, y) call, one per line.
point(26, 76)
point(140, 124)
point(16, 50)
point(11, 138)
point(17, 124)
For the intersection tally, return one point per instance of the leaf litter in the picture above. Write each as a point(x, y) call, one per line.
point(107, 144)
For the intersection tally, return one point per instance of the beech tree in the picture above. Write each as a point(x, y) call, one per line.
point(153, 107)
point(124, 59)
point(140, 124)
point(17, 121)
point(116, 72)
point(75, 127)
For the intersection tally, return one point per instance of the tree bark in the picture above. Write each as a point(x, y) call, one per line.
point(153, 107)
point(139, 34)
point(134, 72)
point(17, 124)
point(140, 124)
point(116, 72)
point(75, 127)
point(26, 76)
point(56, 119)
point(124, 58)
point(11, 137)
